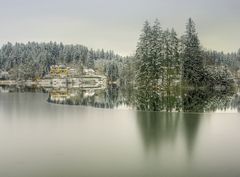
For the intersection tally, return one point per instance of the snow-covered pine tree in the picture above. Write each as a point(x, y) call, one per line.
point(192, 56)
point(175, 54)
point(149, 66)
point(166, 64)
point(142, 57)
point(156, 54)
point(171, 62)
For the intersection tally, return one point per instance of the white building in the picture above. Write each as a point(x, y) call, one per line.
point(59, 83)
point(88, 72)
point(45, 83)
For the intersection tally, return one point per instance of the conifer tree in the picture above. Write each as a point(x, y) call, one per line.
point(193, 68)
point(156, 52)
point(142, 57)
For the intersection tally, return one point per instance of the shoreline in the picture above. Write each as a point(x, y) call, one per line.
point(93, 81)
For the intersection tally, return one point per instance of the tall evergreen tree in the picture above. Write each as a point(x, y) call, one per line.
point(175, 53)
point(156, 53)
point(149, 56)
point(193, 68)
point(142, 57)
point(149, 66)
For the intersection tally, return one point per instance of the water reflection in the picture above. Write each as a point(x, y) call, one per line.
point(152, 100)
point(172, 101)
point(191, 123)
point(100, 98)
point(9, 89)
point(159, 130)
point(114, 97)
point(206, 100)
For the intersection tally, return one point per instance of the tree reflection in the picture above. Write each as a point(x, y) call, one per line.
point(189, 100)
point(157, 128)
point(191, 123)
point(161, 128)
point(151, 100)
point(206, 100)
point(173, 100)
point(235, 103)
point(111, 96)
point(100, 98)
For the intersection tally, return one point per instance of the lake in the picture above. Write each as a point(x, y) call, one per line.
point(44, 134)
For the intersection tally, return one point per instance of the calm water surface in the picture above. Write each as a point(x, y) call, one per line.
point(41, 139)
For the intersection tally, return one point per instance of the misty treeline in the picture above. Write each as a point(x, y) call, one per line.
point(231, 60)
point(33, 60)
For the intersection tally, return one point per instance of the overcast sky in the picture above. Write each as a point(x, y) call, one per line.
point(116, 24)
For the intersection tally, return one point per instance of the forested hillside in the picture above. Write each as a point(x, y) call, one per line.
point(24, 61)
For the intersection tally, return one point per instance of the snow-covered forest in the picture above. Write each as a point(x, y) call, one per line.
point(167, 64)
point(163, 58)
point(31, 60)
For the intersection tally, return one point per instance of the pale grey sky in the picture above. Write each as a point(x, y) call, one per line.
point(116, 24)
